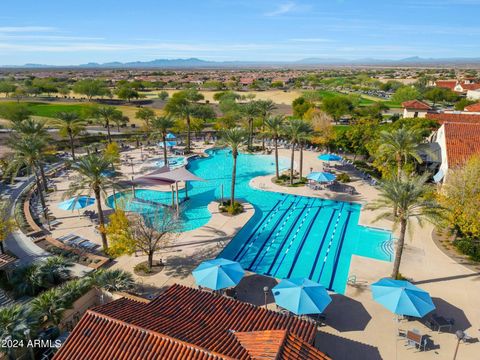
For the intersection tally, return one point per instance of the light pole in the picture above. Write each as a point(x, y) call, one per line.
point(265, 292)
point(460, 336)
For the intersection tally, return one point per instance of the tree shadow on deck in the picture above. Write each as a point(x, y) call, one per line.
point(340, 348)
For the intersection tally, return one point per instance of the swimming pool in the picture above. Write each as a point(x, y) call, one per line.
point(173, 162)
point(288, 236)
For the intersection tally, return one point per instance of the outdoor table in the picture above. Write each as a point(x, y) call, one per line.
point(441, 323)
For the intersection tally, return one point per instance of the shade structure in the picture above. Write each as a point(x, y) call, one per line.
point(76, 203)
point(169, 143)
point(301, 296)
point(321, 176)
point(330, 157)
point(402, 297)
point(170, 136)
point(218, 274)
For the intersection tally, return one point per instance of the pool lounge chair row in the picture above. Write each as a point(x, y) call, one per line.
point(77, 241)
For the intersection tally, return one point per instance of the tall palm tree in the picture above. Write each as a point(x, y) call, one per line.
point(400, 145)
point(90, 169)
point(265, 108)
point(250, 110)
point(27, 153)
point(7, 224)
point(55, 270)
point(49, 307)
point(14, 321)
point(106, 115)
point(162, 125)
point(234, 138)
point(34, 128)
point(184, 105)
point(293, 129)
point(413, 199)
point(70, 125)
point(273, 130)
point(304, 136)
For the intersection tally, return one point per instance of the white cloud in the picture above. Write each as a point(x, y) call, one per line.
point(282, 9)
point(25, 29)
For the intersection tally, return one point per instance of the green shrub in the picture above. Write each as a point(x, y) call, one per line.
point(237, 208)
point(142, 268)
point(344, 178)
point(469, 246)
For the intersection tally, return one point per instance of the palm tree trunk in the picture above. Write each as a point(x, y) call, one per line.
point(263, 131)
point(301, 162)
point(276, 157)
point(399, 250)
point(72, 147)
point(42, 199)
point(101, 219)
point(188, 134)
point(250, 133)
point(44, 178)
point(165, 159)
point(108, 131)
point(292, 160)
point(234, 175)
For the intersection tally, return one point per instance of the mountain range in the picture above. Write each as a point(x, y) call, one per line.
point(192, 63)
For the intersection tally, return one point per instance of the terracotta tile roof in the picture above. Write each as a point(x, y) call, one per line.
point(449, 84)
point(416, 104)
point(470, 86)
point(462, 142)
point(190, 317)
point(473, 107)
point(296, 349)
point(454, 118)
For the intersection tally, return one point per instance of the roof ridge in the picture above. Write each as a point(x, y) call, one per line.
point(156, 333)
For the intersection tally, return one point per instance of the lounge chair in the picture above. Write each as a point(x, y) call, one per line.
point(414, 338)
point(67, 237)
point(75, 241)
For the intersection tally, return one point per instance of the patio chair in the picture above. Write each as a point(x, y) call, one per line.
point(66, 237)
point(417, 340)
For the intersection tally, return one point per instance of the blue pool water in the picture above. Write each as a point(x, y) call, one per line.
point(288, 236)
point(173, 162)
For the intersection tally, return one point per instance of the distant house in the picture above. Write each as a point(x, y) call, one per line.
point(458, 86)
point(457, 140)
point(415, 109)
point(473, 94)
point(446, 84)
point(186, 323)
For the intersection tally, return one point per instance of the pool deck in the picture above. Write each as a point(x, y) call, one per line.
point(356, 324)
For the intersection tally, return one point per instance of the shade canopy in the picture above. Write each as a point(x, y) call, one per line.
point(168, 143)
point(170, 136)
point(179, 174)
point(330, 157)
point(321, 176)
point(218, 274)
point(76, 203)
point(402, 297)
point(301, 296)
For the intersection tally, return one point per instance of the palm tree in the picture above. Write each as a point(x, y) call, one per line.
point(7, 224)
point(234, 138)
point(106, 115)
point(413, 199)
point(304, 136)
point(27, 153)
point(293, 130)
point(162, 125)
point(49, 307)
point(183, 105)
point(112, 280)
point(55, 270)
point(400, 145)
point(250, 110)
point(91, 169)
point(14, 321)
point(265, 108)
point(70, 125)
point(273, 129)
point(27, 280)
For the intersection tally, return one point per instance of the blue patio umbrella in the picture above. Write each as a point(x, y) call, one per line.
point(321, 176)
point(169, 143)
point(301, 296)
point(76, 203)
point(402, 297)
point(330, 157)
point(218, 274)
point(170, 136)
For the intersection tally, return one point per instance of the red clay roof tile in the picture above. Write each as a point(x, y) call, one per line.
point(416, 104)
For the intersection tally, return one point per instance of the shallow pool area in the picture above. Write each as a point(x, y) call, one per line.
point(173, 162)
point(288, 235)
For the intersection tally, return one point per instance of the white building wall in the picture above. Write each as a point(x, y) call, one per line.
point(410, 113)
point(440, 140)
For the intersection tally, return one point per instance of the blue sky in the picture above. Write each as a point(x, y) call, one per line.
point(79, 31)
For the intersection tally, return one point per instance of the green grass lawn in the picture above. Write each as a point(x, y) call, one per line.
point(50, 110)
